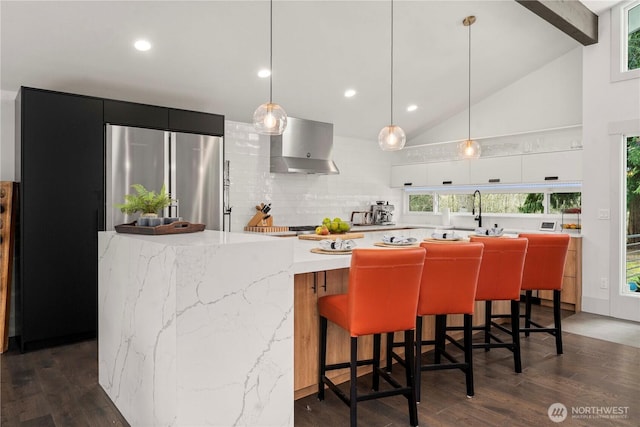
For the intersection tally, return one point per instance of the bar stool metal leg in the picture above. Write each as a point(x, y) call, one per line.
point(418, 358)
point(527, 312)
point(323, 357)
point(487, 325)
point(411, 398)
point(557, 320)
point(515, 334)
point(468, 353)
point(353, 395)
point(376, 362)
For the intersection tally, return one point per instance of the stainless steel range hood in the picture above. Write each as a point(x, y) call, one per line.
point(304, 147)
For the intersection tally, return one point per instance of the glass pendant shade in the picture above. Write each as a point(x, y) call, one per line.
point(392, 138)
point(469, 149)
point(270, 119)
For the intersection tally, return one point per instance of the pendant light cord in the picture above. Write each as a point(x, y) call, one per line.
point(271, 51)
point(391, 106)
point(469, 97)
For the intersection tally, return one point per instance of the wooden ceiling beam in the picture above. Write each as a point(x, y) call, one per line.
point(569, 16)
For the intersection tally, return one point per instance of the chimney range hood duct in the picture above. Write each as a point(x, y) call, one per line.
point(304, 147)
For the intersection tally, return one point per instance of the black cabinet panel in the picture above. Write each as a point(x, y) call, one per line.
point(138, 115)
point(196, 122)
point(61, 210)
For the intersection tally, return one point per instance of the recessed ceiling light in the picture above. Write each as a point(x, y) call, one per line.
point(142, 45)
point(412, 107)
point(349, 93)
point(264, 73)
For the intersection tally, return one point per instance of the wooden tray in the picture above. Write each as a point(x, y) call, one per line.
point(177, 227)
point(325, 252)
point(343, 236)
point(432, 240)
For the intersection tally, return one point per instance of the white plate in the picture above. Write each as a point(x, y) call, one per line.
point(400, 243)
point(487, 235)
point(447, 239)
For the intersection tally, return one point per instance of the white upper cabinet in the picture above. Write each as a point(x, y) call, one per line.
point(454, 172)
point(409, 175)
point(494, 170)
point(550, 167)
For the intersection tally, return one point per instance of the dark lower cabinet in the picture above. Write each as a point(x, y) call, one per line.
point(59, 166)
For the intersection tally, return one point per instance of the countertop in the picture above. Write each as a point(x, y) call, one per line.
point(306, 261)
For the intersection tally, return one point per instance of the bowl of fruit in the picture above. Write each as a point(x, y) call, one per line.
point(333, 226)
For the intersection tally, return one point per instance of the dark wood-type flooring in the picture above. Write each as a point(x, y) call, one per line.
point(59, 387)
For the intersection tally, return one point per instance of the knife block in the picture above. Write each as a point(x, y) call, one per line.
point(267, 222)
point(257, 219)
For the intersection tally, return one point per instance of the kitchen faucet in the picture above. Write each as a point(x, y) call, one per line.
point(473, 209)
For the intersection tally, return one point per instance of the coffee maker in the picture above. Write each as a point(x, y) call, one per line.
point(382, 213)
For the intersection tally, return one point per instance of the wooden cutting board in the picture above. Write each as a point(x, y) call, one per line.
point(343, 236)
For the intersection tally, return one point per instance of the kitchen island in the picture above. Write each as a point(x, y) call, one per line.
point(217, 328)
point(197, 329)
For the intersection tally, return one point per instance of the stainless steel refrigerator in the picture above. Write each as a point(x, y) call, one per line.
point(189, 165)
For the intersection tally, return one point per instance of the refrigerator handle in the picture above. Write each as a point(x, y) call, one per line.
point(176, 207)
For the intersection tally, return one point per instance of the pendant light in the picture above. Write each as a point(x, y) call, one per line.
point(392, 137)
point(469, 149)
point(270, 118)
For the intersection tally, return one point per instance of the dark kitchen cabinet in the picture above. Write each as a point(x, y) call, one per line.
point(59, 166)
point(196, 122)
point(137, 115)
point(60, 157)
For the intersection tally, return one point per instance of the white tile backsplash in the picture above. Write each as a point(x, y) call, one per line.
point(300, 199)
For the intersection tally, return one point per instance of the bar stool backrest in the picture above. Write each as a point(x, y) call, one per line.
point(383, 290)
point(501, 268)
point(449, 278)
point(544, 263)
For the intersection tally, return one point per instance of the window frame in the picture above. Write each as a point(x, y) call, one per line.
point(619, 39)
point(546, 190)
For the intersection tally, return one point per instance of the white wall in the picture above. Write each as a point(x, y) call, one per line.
point(548, 97)
point(7, 139)
point(605, 103)
point(299, 199)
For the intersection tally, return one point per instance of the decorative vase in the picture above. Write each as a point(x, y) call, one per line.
point(147, 218)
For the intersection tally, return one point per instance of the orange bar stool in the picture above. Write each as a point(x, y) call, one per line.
point(382, 297)
point(543, 270)
point(500, 280)
point(448, 286)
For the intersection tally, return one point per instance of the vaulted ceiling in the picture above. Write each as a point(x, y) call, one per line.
point(206, 55)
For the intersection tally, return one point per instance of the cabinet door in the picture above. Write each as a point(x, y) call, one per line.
point(305, 332)
point(137, 115)
point(556, 166)
point(409, 175)
point(196, 122)
point(61, 204)
point(455, 172)
point(494, 170)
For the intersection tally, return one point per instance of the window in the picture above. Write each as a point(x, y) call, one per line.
point(625, 41)
point(540, 202)
point(492, 202)
point(633, 214)
point(633, 36)
point(560, 201)
point(421, 203)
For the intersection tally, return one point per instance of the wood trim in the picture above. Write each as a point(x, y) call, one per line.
point(7, 234)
